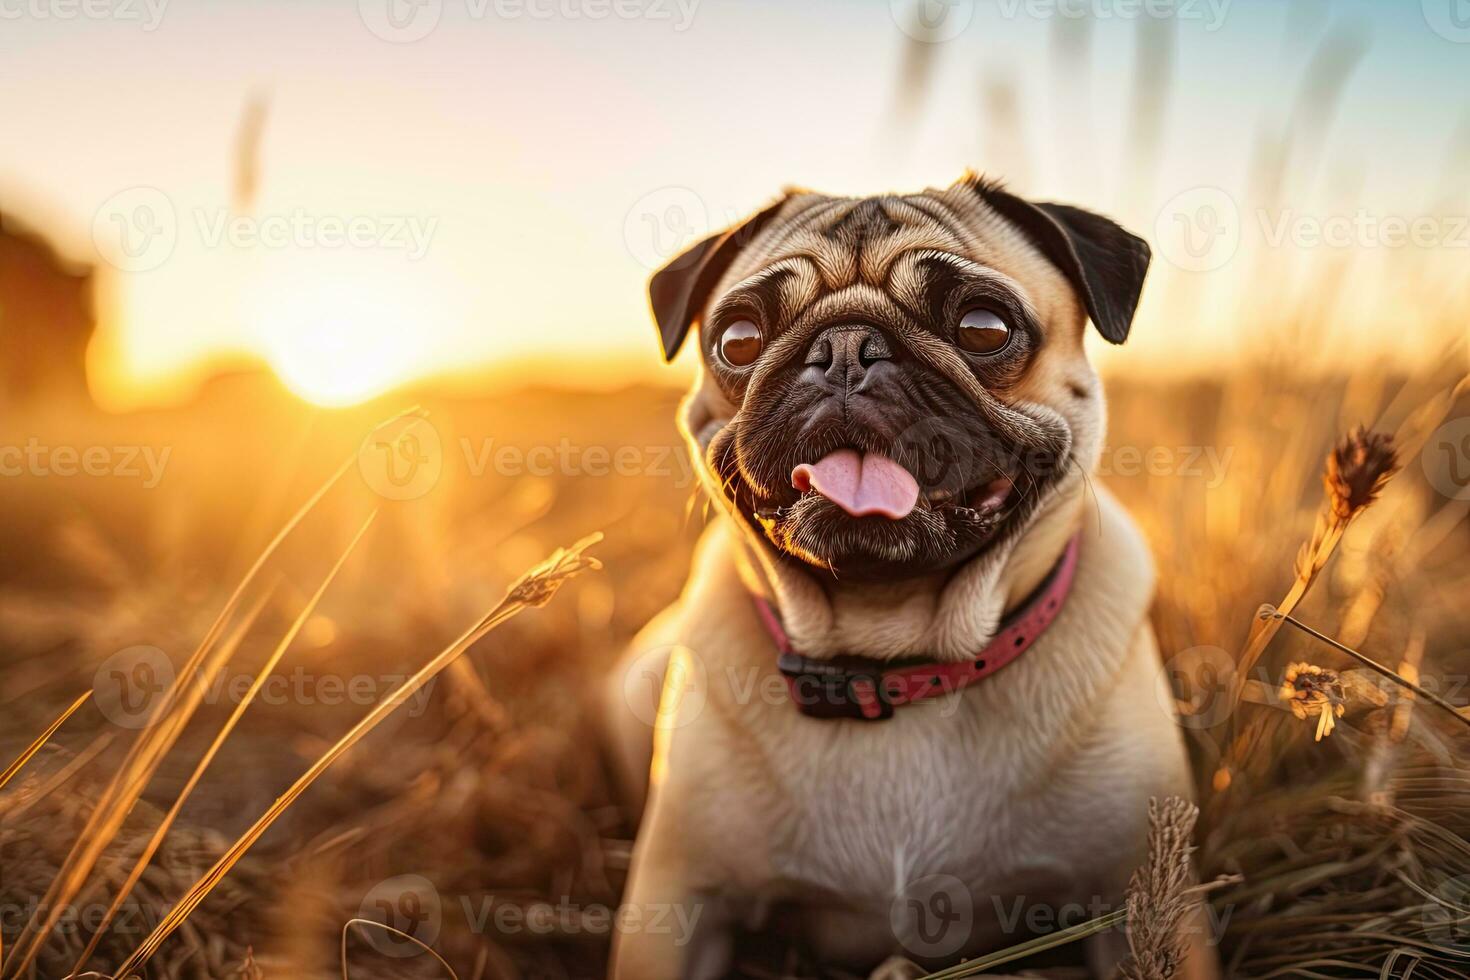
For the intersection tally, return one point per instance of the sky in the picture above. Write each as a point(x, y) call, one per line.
point(450, 185)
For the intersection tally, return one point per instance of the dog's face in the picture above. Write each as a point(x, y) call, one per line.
point(891, 385)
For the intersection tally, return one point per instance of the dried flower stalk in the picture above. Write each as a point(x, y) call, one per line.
point(1356, 471)
point(1158, 894)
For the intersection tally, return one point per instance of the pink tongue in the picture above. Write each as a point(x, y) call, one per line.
point(860, 485)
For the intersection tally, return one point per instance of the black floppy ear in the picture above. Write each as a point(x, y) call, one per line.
point(679, 290)
point(1104, 262)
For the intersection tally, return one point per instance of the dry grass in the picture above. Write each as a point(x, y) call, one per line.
point(1341, 854)
point(1347, 850)
point(1158, 899)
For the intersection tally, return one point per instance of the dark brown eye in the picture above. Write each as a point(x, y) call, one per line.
point(983, 332)
point(740, 344)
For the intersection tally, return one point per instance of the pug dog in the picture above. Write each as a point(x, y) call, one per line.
point(909, 707)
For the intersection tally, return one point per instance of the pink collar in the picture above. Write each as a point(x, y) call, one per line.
point(863, 688)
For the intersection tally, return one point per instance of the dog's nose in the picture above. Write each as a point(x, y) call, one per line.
point(845, 352)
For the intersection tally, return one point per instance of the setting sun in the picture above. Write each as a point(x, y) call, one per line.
point(340, 342)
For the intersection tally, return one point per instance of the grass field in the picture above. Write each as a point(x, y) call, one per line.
point(477, 816)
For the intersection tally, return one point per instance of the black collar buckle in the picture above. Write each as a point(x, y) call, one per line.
point(843, 687)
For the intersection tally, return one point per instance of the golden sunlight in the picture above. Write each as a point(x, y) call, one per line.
point(337, 343)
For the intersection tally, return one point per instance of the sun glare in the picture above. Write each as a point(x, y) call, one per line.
point(336, 344)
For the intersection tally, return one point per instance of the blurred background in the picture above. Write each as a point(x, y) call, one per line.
point(235, 240)
point(360, 195)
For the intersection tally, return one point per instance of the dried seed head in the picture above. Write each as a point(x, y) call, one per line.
point(1158, 896)
point(536, 587)
point(1357, 469)
point(1311, 690)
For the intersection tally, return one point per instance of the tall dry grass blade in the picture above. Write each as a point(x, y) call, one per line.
point(1356, 472)
point(364, 924)
point(1003, 137)
point(1031, 947)
point(246, 172)
point(1376, 780)
point(1378, 668)
point(122, 792)
point(241, 705)
point(42, 739)
point(915, 70)
point(1312, 112)
point(1062, 937)
point(285, 532)
point(1323, 85)
point(1158, 897)
point(140, 761)
point(535, 588)
point(11, 810)
point(1414, 431)
point(1070, 62)
point(1413, 659)
point(1153, 74)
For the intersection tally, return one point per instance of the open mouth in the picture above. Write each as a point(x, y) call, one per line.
point(870, 484)
point(885, 493)
point(860, 511)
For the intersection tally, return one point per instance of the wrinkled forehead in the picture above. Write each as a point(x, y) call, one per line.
point(847, 241)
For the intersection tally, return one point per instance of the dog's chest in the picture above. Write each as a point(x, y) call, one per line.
point(866, 811)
